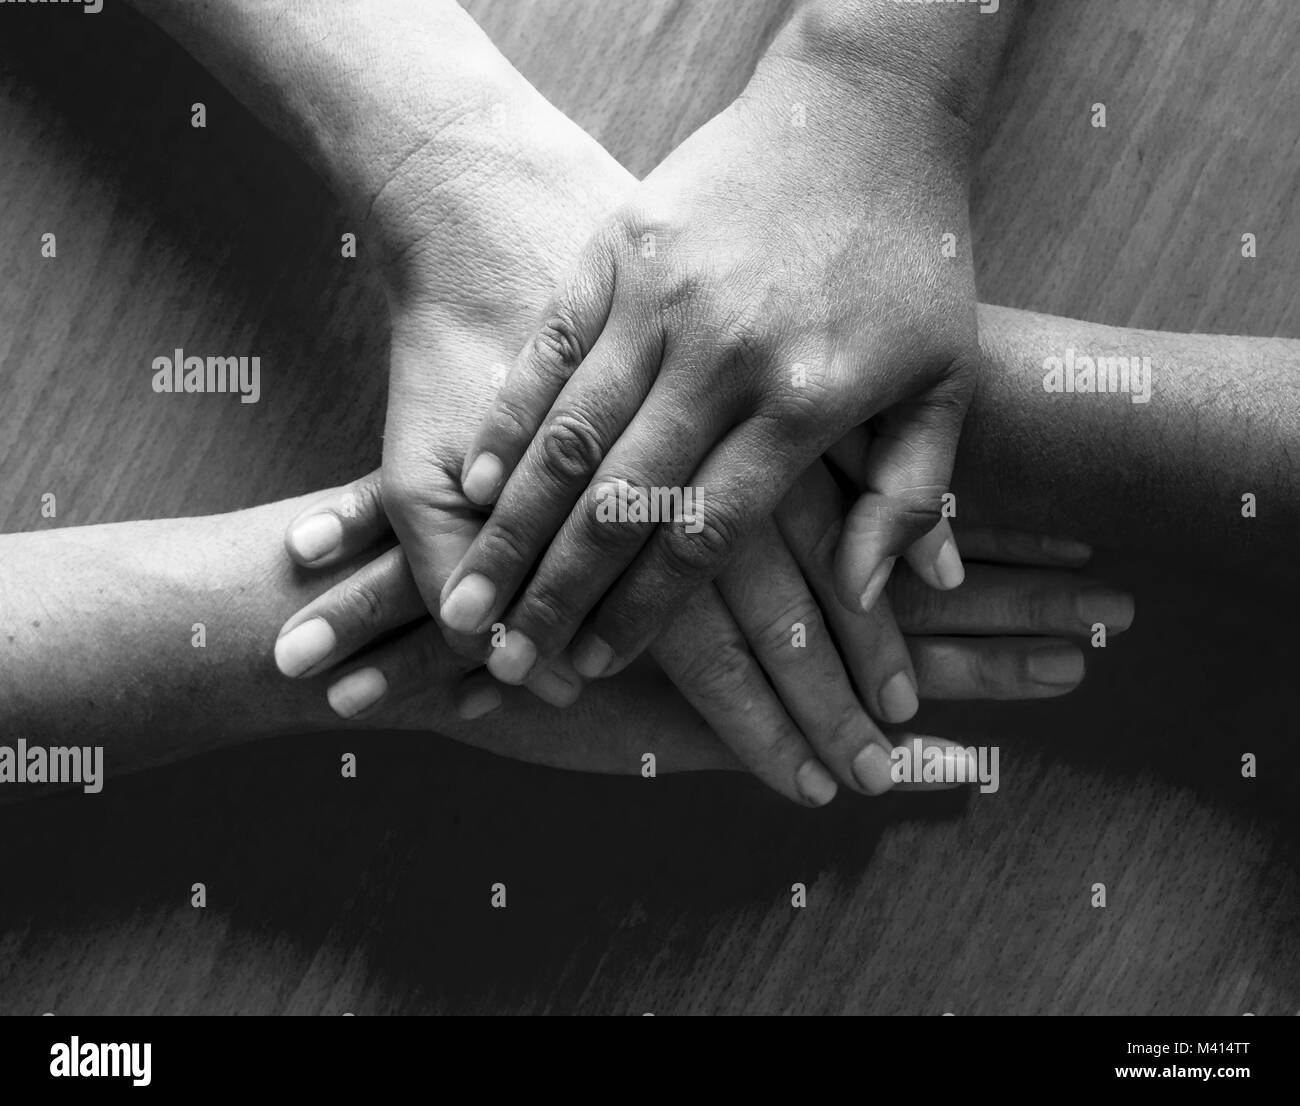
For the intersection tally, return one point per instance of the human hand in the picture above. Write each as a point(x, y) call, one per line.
point(764, 291)
point(460, 303)
point(1005, 635)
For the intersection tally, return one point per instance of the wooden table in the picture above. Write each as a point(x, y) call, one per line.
point(371, 896)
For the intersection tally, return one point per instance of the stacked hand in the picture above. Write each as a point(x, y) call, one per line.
point(788, 675)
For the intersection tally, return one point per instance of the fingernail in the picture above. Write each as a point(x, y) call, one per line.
point(948, 568)
point(553, 688)
point(513, 659)
point(356, 691)
point(483, 478)
point(1056, 666)
point(898, 698)
point(592, 656)
point(1114, 609)
point(316, 536)
point(469, 603)
point(815, 784)
point(475, 704)
point(871, 770)
point(304, 647)
point(1066, 549)
point(877, 583)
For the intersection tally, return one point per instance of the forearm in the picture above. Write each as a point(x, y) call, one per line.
point(357, 87)
point(151, 638)
point(1166, 475)
point(154, 640)
point(947, 53)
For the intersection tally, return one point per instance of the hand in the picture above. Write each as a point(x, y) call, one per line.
point(765, 290)
point(1002, 636)
point(460, 302)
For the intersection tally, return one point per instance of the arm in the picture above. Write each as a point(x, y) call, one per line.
point(100, 647)
point(797, 267)
point(472, 218)
point(100, 631)
point(1162, 476)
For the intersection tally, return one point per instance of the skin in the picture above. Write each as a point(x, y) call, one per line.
point(444, 190)
point(774, 284)
point(452, 322)
point(1082, 475)
point(773, 702)
point(98, 637)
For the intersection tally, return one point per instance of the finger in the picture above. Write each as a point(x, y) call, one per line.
point(996, 668)
point(1016, 547)
point(339, 524)
point(705, 655)
point(408, 664)
point(1006, 601)
point(935, 558)
point(908, 467)
point(424, 443)
point(613, 521)
point(390, 673)
point(480, 693)
point(570, 327)
point(689, 551)
point(554, 472)
point(376, 599)
point(848, 457)
point(767, 596)
point(556, 682)
point(810, 519)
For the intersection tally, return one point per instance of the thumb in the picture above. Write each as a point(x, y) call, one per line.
point(339, 524)
point(906, 471)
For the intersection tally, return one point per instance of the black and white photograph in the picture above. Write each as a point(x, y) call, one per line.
point(650, 507)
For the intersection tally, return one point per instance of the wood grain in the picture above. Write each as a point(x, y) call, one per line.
point(628, 896)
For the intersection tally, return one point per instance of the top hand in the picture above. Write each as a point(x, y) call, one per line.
point(767, 288)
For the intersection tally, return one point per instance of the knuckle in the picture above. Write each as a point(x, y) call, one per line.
point(1040, 608)
point(914, 513)
point(501, 544)
point(685, 293)
point(697, 546)
point(508, 421)
point(368, 500)
point(603, 526)
point(413, 663)
point(361, 604)
point(724, 673)
point(556, 348)
point(542, 612)
point(773, 638)
point(984, 670)
point(847, 734)
point(779, 752)
point(807, 411)
point(570, 447)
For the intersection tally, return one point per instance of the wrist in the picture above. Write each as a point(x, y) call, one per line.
point(946, 55)
point(867, 134)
